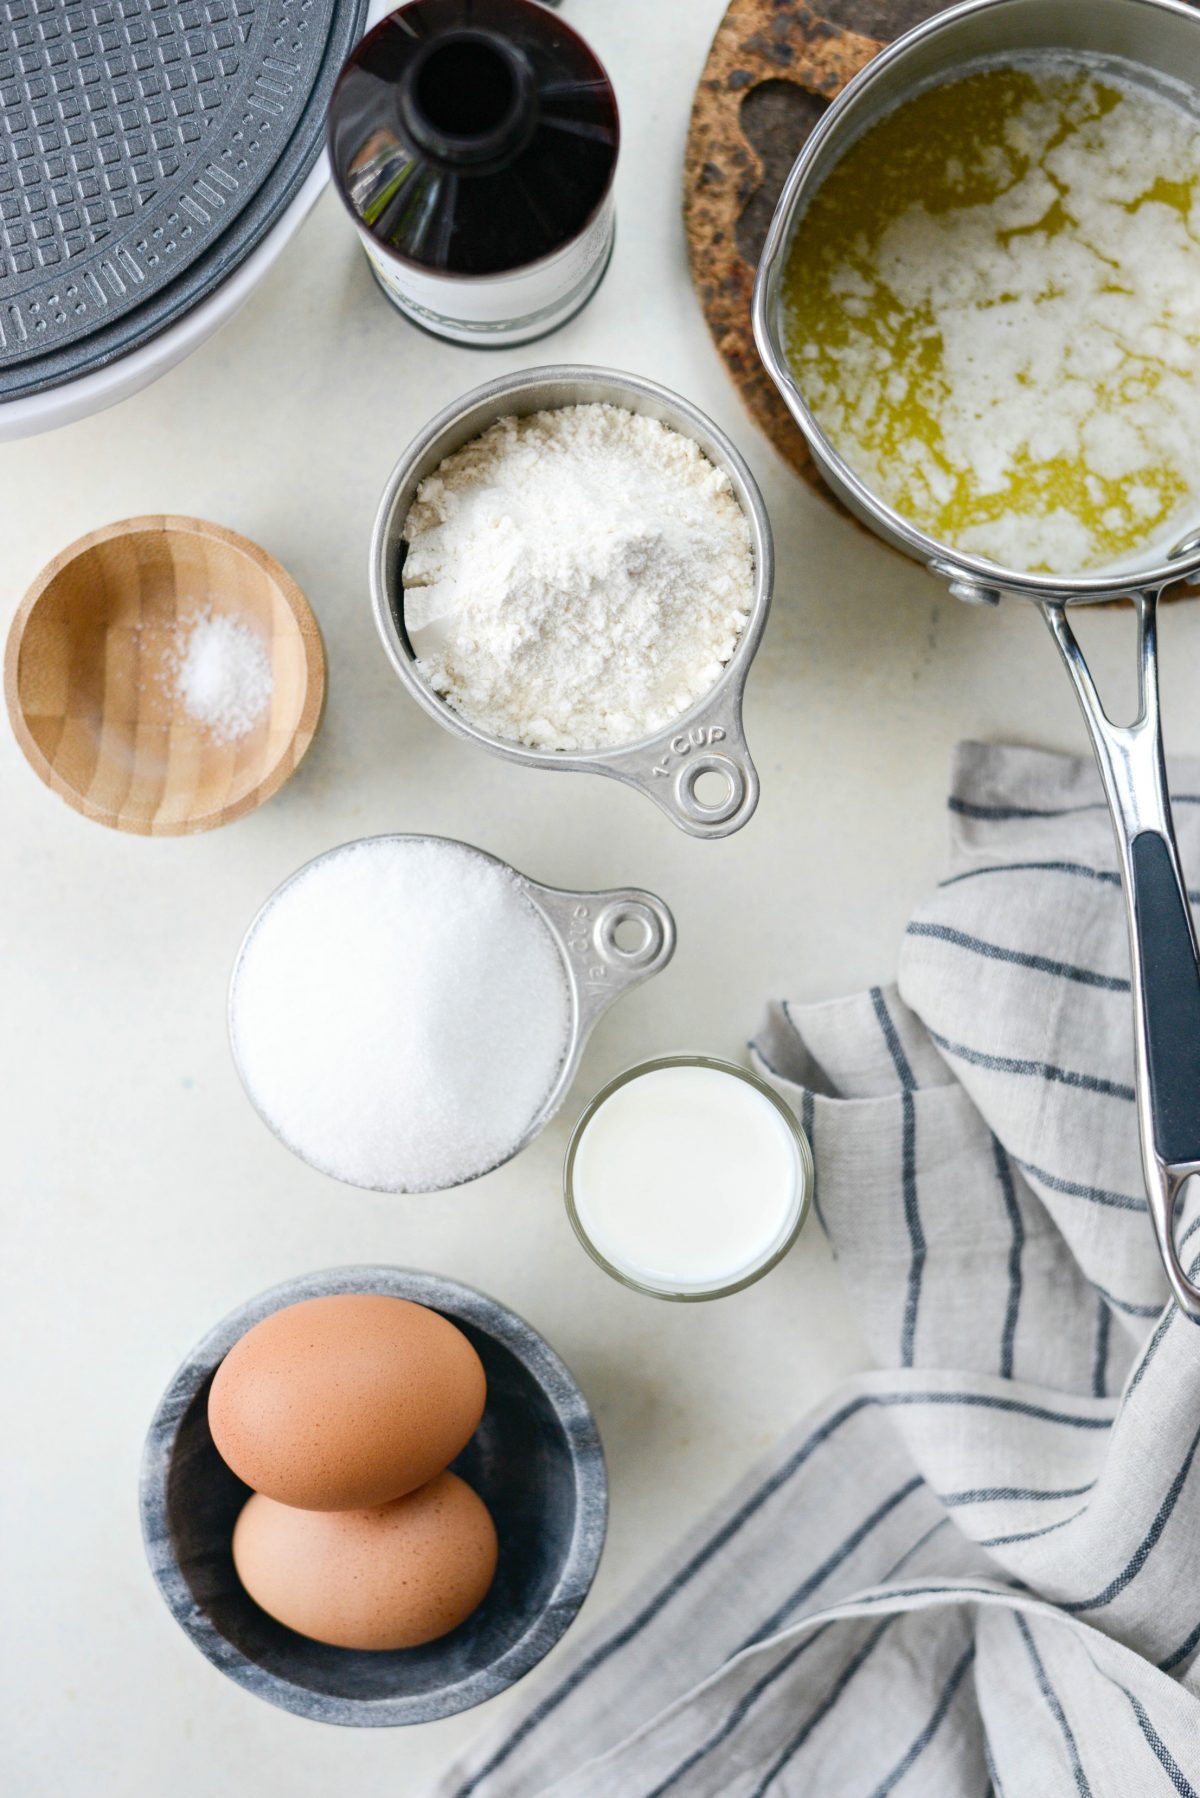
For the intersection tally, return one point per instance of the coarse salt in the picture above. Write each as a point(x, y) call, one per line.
point(400, 1013)
point(221, 674)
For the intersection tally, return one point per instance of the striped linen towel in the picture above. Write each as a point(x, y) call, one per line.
point(977, 1569)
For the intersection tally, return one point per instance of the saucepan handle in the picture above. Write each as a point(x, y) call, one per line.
point(1162, 939)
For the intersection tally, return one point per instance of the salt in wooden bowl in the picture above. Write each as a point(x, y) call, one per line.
point(91, 665)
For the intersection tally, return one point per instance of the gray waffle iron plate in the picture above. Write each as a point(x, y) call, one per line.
point(146, 147)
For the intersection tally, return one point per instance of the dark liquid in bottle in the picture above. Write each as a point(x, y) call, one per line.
point(473, 137)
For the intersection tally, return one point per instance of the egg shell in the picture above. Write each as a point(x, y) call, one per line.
point(346, 1401)
point(391, 1577)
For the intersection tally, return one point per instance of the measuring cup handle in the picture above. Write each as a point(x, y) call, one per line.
point(669, 771)
point(1164, 962)
point(599, 964)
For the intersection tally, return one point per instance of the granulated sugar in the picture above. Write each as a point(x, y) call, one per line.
point(993, 307)
point(576, 579)
point(400, 1013)
point(221, 674)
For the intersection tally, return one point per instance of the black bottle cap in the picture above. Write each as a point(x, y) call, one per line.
point(468, 100)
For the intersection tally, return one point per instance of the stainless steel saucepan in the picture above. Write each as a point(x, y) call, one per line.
point(1162, 40)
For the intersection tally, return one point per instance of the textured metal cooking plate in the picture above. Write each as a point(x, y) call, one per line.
point(146, 146)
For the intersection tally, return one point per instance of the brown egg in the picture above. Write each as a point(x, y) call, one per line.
point(391, 1577)
point(346, 1401)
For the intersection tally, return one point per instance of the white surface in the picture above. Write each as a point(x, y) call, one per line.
point(143, 1196)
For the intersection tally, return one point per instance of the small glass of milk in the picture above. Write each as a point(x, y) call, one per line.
point(688, 1178)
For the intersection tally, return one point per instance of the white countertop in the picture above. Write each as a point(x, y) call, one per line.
point(143, 1197)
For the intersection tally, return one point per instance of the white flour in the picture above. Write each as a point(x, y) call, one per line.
point(576, 579)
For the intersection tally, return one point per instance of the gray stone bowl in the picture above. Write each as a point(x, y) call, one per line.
point(535, 1460)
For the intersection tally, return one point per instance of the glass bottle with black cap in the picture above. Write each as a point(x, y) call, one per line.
point(474, 143)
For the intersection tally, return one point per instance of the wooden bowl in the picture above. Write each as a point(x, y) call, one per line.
point(89, 675)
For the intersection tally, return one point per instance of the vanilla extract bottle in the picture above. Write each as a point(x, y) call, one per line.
point(475, 143)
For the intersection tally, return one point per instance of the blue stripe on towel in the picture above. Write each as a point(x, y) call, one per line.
point(807, 1120)
point(1159, 1749)
point(1020, 958)
point(1047, 1529)
point(935, 1589)
point(739, 1712)
point(1098, 1195)
point(1002, 814)
point(992, 1402)
point(1127, 1305)
point(1077, 870)
point(891, 1037)
point(1042, 1070)
point(931, 1728)
point(908, 1175)
point(1013, 1209)
point(993, 1775)
point(750, 1698)
point(1182, 1653)
point(1168, 1316)
point(1005, 814)
point(807, 1111)
point(1100, 1352)
point(1150, 1735)
point(1152, 1348)
point(1056, 1709)
point(917, 1546)
point(981, 1495)
point(820, 1574)
point(822, 1711)
point(1142, 1552)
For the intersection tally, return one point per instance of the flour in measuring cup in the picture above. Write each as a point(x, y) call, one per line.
point(576, 579)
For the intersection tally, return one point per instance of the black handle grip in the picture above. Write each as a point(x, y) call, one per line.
point(1172, 1000)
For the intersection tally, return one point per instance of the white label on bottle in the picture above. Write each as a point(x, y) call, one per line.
point(496, 300)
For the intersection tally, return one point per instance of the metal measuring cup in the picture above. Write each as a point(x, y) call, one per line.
point(1161, 39)
point(707, 739)
point(597, 965)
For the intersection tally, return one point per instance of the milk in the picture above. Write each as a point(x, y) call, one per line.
point(688, 1179)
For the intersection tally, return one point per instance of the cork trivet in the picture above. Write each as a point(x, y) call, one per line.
point(774, 67)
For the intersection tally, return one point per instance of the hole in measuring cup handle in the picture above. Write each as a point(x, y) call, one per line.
point(676, 770)
point(726, 773)
point(644, 920)
point(589, 928)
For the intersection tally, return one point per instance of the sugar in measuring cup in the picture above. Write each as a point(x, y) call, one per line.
point(407, 1012)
